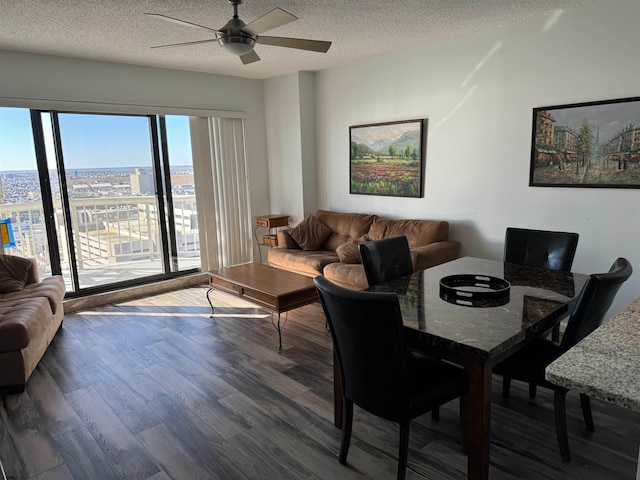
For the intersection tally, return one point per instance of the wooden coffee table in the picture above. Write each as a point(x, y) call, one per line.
point(276, 290)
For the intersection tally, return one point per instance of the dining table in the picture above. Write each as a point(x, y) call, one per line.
point(477, 332)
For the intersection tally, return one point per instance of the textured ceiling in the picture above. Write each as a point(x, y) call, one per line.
point(118, 30)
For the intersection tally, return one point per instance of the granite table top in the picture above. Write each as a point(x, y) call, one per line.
point(537, 299)
point(605, 364)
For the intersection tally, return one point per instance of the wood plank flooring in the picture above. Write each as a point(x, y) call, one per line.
point(154, 389)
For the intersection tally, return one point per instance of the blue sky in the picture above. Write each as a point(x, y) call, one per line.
point(91, 141)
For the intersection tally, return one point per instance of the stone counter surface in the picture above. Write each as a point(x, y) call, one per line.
point(606, 364)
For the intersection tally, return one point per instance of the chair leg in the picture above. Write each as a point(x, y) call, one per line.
point(435, 414)
point(347, 423)
point(559, 410)
point(506, 386)
point(464, 424)
point(404, 450)
point(585, 403)
point(532, 390)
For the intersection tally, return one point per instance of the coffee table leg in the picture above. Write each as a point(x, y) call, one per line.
point(279, 327)
point(209, 300)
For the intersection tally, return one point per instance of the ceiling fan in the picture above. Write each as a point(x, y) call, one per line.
point(239, 38)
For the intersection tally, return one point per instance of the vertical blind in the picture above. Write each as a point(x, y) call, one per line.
point(221, 183)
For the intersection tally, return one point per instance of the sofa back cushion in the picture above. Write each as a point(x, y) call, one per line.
point(344, 227)
point(310, 233)
point(418, 232)
point(14, 271)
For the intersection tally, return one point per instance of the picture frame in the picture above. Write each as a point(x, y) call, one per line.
point(591, 144)
point(387, 159)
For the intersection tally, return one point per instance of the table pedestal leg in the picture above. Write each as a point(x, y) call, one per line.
point(638, 471)
point(479, 422)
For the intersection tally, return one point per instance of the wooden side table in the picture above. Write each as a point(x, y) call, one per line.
point(271, 223)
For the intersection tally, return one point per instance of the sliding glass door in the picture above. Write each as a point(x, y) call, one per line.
point(106, 171)
point(117, 204)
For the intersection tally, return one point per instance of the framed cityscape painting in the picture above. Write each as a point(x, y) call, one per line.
point(594, 144)
point(387, 159)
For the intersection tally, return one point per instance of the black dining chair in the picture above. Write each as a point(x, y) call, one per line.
point(541, 249)
point(529, 364)
point(377, 372)
point(386, 259)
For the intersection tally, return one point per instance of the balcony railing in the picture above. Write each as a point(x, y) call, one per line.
point(109, 233)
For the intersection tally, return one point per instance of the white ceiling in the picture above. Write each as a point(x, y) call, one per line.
point(118, 30)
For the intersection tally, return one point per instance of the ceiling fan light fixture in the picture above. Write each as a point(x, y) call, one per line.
point(237, 44)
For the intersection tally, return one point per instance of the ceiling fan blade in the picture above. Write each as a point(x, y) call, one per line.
point(250, 57)
point(300, 43)
point(186, 44)
point(273, 19)
point(179, 22)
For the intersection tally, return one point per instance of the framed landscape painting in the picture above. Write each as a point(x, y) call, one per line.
point(387, 159)
point(594, 144)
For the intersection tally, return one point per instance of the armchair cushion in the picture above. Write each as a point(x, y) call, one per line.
point(310, 233)
point(14, 272)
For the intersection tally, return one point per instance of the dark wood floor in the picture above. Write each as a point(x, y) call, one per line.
point(155, 389)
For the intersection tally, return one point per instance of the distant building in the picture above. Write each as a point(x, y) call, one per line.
point(624, 147)
point(142, 183)
point(564, 141)
point(544, 138)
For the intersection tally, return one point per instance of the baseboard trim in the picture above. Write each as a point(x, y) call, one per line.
point(130, 293)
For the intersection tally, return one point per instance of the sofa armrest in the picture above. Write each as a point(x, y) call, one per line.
point(33, 276)
point(434, 254)
point(285, 240)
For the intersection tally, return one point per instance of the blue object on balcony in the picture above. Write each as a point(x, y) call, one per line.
point(6, 233)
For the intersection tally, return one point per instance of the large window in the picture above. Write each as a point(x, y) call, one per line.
point(102, 199)
point(20, 197)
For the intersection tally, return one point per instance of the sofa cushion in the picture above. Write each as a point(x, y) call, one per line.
point(14, 272)
point(344, 227)
point(349, 252)
point(418, 232)
point(52, 288)
point(310, 262)
point(310, 233)
point(348, 275)
point(21, 320)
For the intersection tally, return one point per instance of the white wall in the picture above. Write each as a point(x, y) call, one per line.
point(478, 94)
point(291, 130)
point(28, 80)
point(308, 134)
point(282, 112)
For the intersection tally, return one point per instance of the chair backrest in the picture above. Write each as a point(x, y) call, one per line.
point(540, 248)
point(368, 339)
point(594, 301)
point(386, 259)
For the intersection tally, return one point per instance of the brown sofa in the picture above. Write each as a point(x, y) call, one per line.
point(334, 254)
point(31, 311)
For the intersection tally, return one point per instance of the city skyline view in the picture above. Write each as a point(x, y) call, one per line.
point(20, 186)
